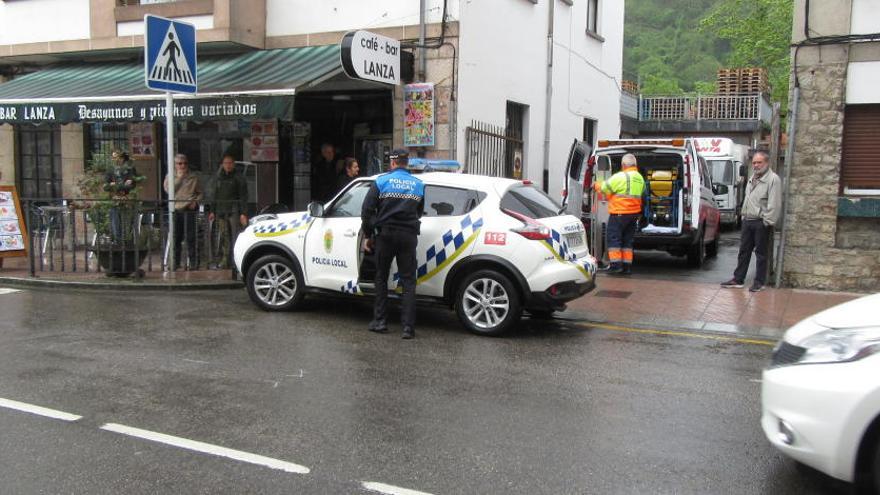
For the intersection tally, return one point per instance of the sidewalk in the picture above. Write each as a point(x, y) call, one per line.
point(674, 305)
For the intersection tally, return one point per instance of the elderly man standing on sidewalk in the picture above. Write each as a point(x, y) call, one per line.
point(760, 211)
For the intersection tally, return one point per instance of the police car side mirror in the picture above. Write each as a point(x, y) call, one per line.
point(316, 209)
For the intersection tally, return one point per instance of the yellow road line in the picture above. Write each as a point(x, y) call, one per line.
point(678, 333)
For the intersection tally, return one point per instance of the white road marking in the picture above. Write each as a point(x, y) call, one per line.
point(196, 361)
point(206, 448)
point(39, 411)
point(390, 489)
point(8, 291)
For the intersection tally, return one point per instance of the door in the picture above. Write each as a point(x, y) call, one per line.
point(332, 243)
point(573, 188)
point(599, 208)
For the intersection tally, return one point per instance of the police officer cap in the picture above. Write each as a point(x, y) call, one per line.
point(399, 154)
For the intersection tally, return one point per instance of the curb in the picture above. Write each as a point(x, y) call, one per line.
point(121, 284)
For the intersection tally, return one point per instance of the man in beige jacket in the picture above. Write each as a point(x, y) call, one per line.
point(187, 195)
point(760, 213)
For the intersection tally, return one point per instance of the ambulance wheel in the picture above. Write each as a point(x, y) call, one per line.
point(697, 252)
point(487, 303)
point(275, 283)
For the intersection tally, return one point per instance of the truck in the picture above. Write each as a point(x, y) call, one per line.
point(728, 164)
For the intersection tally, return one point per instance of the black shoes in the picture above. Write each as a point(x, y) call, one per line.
point(732, 284)
point(378, 327)
point(756, 287)
point(408, 333)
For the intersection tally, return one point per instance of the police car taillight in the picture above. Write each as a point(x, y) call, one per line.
point(531, 229)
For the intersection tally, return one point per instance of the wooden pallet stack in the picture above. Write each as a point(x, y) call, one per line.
point(745, 80)
point(630, 87)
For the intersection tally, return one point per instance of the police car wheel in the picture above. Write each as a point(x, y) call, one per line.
point(487, 303)
point(275, 283)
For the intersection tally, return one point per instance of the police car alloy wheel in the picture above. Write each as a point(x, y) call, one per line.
point(487, 303)
point(275, 283)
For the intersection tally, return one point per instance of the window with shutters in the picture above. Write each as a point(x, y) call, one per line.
point(860, 166)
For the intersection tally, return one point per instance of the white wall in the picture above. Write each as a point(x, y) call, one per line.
point(290, 17)
point(865, 17)
point(134, 28)
point(507, 61)
point(861, 83)
point(35, 21)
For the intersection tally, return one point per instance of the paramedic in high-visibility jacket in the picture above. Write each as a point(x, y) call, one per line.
point(390, 222)
point(624, 190)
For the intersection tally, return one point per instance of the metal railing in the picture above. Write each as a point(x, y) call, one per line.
point(489, 151)
point(704, 107)
point(120, 237)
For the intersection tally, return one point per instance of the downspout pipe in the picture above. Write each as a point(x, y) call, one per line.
point(423, 63)
point(548, 110)
point(786, 182)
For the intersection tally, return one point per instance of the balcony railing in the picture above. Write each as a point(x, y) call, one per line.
point(697, 107)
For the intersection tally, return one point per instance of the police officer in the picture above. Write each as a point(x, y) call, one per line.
point(390, 219)
point(625, 189)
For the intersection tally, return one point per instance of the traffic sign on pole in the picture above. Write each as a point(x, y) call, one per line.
point(170, 55)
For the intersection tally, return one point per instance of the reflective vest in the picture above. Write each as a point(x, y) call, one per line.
point(625, 189)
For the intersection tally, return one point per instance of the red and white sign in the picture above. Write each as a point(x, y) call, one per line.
point(499, 238)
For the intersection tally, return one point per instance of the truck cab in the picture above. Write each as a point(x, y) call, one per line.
point(728, 164)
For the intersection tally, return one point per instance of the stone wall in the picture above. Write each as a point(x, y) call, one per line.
point(823, 250)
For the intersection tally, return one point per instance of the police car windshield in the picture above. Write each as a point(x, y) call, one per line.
point(529, 201)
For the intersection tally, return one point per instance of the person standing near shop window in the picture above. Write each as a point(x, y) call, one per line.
point(120, 181)
point(350, 172)
point(228, 194)
point(324, 173)
point(187, 195)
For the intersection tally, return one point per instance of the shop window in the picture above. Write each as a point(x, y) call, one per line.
point(39, 161)
point(104, 137)
point(515, 133)
point(860, 164)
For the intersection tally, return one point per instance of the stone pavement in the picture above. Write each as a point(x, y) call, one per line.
point(669, 304)
point(681, 304)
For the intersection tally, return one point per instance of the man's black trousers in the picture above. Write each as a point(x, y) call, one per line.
point(754, 236)
point(399, 244)
point(185, 230)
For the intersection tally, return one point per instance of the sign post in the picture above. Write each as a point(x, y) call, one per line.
point(170, 65)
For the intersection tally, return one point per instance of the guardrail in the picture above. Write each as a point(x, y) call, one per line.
point(703, 107)
point(122, 237)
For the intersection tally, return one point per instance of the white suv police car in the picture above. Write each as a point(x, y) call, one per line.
point(488, 247)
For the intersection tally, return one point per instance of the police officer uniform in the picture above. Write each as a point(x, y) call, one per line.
point(390, 217)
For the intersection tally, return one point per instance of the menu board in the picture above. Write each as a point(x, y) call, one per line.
point(418, 119)
point(13, 235)
point(141, 140)
point(264, 141)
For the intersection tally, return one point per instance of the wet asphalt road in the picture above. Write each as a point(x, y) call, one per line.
point(663, 266)
point(556, 408)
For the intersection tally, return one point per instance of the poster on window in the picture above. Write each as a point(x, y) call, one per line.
point(418, 114)
point(264, 141)
point(12, 234)
point(141, 141)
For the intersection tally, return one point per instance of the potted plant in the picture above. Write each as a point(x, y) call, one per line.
point(110, 186)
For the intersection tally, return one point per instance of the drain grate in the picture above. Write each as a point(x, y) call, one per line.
point(617, 294)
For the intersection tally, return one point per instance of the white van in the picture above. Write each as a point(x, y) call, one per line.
point(728, 164)
point(680, 215)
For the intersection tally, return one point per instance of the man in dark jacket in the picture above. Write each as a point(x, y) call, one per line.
point(390, 221)
point(228, 195)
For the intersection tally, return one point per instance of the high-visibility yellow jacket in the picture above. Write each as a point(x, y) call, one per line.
point(625, 190)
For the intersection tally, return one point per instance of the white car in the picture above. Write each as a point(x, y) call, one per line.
point(488, 247)
point(821, 392)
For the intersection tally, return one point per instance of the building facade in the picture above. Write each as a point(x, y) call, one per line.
point(547, 74)
point(831, 237)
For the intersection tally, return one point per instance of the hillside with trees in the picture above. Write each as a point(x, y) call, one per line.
point(676, 46)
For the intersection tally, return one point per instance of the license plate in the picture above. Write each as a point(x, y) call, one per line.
point(574, 239)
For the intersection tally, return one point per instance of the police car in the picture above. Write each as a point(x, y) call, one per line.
point(490, 248)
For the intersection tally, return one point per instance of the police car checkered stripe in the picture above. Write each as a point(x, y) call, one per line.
point(395, 195)
point(559, 247)
point(351, 287)
point(281, 228)
point(450, 246)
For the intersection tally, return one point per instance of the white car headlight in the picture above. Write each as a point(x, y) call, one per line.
point(839, 345)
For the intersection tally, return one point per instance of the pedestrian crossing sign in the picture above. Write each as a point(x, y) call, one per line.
point(170, 55)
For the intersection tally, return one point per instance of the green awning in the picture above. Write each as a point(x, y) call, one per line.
point(249, 85)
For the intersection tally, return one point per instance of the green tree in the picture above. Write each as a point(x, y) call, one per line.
point(759, 32)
